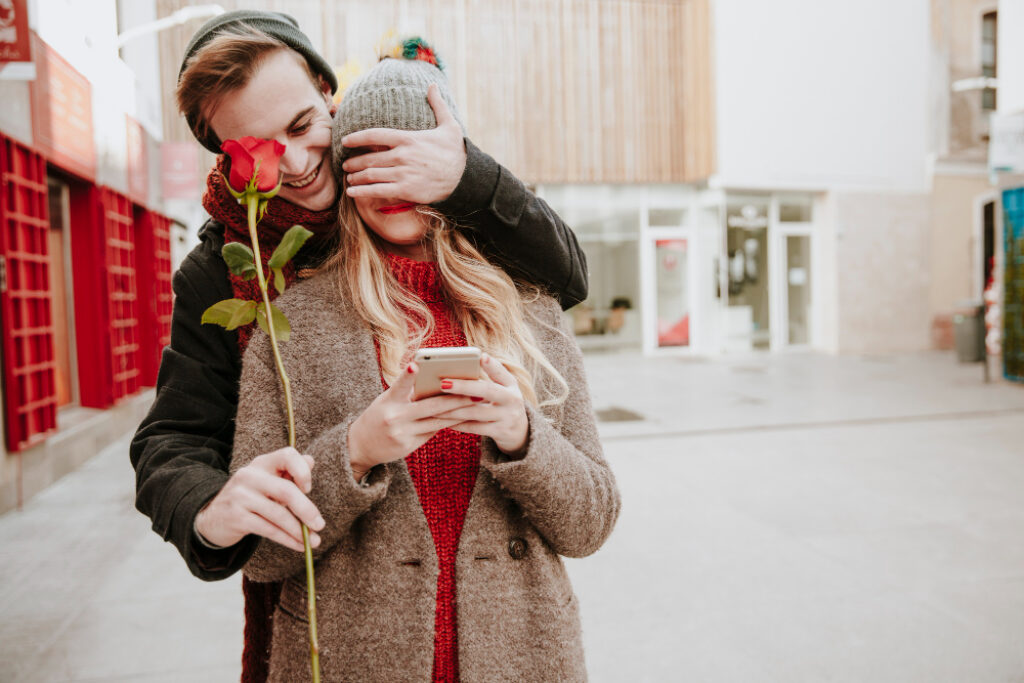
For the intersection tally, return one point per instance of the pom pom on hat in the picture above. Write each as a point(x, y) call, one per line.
point(412, 48)
point(415, 48)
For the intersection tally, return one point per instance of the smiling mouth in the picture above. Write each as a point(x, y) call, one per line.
point(397, 208)
point(305, 181)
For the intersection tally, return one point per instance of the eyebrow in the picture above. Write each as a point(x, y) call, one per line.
point(301, 115)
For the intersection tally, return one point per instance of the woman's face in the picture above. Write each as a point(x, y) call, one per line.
point(281, 103)
point(396, 222)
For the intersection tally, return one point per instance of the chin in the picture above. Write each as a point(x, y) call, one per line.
point(318, 202)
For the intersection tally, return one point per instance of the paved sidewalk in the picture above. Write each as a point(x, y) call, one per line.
point(786, 518)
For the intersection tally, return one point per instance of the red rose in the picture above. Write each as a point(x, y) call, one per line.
point(248, 152)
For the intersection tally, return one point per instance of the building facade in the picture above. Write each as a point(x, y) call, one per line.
point(742, 175)
point(85, 240)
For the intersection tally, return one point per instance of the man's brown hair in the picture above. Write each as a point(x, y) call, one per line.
point(220, 67)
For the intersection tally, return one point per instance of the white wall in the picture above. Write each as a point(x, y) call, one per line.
point(85, 34)
point(826, 94)
point(1010, 96)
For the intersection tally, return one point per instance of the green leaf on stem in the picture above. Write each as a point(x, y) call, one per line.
point(278, 280)
point(282, 328)
point(230, 313)
point(240, 260)
point(289, 246)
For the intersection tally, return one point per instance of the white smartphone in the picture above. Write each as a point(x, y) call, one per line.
point(444, 362)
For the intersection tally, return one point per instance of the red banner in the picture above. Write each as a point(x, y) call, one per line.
point(179, 170)
point(62, 113)
point(15, 43)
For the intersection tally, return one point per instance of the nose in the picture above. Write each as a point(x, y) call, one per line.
point(293, 163)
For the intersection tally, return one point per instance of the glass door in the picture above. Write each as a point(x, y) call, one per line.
point(798, 289)
point(746, 261)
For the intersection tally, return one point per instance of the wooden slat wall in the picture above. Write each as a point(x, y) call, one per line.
point(560, 91)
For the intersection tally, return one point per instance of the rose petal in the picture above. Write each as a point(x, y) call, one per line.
point(251, 155)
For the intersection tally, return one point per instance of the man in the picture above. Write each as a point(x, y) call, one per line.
point(254, 73)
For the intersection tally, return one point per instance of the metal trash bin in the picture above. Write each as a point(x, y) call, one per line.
point(969, 333)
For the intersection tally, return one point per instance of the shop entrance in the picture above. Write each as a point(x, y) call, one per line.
point(767, 278)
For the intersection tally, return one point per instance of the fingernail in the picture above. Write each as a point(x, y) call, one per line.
point(446, 384)
point(409, 369)
point(318, 523)
point(477, 399)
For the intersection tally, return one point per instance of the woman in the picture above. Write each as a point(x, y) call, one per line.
point(255, 73)
point(439, 559)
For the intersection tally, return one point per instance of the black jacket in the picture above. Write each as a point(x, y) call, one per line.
point(182, 449)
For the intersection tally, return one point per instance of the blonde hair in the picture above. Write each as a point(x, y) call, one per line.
point(485, 303)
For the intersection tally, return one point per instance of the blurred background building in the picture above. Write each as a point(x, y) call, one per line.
point(743, 176)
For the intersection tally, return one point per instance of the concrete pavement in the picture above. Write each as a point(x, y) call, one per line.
point(785, 518)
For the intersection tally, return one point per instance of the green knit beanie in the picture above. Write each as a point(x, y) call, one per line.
point(274, 24)
point(392, 94)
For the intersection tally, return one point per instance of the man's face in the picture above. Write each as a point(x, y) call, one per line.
point(281, 103)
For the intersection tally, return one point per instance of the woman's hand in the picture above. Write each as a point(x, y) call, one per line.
point(395, 424)
point(498, 409)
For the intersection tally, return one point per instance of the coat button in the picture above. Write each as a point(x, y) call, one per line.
point(517, 548)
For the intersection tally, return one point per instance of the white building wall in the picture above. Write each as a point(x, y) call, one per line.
point(834, 96)
point(1011, 56)
point(829, 94)
point(85, 34)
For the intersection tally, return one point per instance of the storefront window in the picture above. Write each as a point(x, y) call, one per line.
point(607, 226)
point(672, 269)
point(795, 210)
point(666, 218)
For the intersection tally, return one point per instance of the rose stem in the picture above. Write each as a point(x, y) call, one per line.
point(314, 647)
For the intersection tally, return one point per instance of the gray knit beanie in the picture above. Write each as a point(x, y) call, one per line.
point(274, 24)
point(392, 94)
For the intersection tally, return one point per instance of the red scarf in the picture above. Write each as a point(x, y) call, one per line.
point(261, 598)
point(280, 216)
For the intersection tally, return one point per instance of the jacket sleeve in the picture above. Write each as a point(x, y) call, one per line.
point(518, 229)
point(562, 482)
point(262, 427)
point(181, 449)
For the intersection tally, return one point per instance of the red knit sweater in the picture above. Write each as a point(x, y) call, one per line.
point(444, 471)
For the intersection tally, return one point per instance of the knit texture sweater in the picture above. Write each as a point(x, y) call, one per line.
point(443, 470)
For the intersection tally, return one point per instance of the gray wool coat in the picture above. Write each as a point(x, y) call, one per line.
point(376, 568)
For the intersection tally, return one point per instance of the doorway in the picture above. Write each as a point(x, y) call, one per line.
point(61, 291)
point(746, 256)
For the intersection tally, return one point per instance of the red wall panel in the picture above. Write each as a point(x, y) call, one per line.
point(106, 297)
point(26, 307)
point(153, 257)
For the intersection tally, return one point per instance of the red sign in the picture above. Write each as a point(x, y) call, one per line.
point(15, 44)
point(136, 163)
point(179, 170)
point(62, 112)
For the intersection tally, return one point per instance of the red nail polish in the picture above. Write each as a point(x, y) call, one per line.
point(477, 399)
point(446, 384)
point(409, 368)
